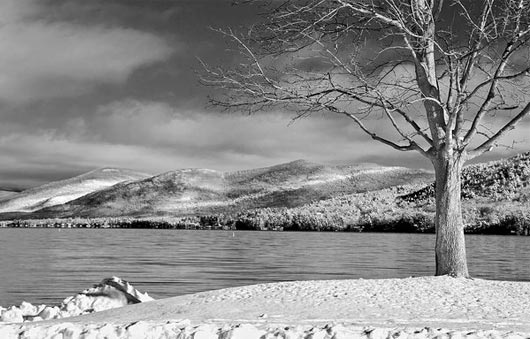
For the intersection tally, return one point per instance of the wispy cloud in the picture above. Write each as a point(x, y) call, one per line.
point(87, 84)
point(156, 137)
point(43, 59)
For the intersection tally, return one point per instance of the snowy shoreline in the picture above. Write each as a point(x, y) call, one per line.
point(424, 307)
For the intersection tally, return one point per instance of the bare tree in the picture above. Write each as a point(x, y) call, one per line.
point(450, 78)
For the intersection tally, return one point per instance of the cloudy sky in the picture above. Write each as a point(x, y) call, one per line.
point(89, 84)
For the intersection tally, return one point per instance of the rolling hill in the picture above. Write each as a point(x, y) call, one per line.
point(495, 200)
point(203, 191)
point(5, 194)
point(501, 180)
point(60, 192)
point(306, 196)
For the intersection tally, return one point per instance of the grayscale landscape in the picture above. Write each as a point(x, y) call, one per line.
point(259, 169)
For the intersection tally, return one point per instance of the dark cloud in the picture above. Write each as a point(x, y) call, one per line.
point(88, 84)
point(156, 137)
point(44, 59)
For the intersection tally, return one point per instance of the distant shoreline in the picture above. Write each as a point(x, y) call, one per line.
point(178, 224)
point(295, 197)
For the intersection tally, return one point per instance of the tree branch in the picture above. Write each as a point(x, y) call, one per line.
point(491, 142)
point(412, 146)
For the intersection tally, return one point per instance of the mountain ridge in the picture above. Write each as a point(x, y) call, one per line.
point(502, 179)
point(303, 196)
point(205, 191)
point(6, 194)
point(62, 191)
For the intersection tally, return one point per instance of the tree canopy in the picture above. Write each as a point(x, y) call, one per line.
point(440, 72)
point(446, 78)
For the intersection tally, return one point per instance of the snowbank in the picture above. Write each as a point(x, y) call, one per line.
point(110, 293)
point(425, 307)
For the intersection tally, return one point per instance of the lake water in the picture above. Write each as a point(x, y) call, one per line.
point(47, 265)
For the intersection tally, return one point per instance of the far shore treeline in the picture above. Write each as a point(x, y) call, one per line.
point(326, 216)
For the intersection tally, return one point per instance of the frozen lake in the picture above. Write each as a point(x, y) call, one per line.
point(47, 265)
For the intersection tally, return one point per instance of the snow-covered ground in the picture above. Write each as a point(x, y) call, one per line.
point(423, 307)
point(110, 293)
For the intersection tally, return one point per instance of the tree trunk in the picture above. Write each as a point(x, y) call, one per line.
point(450, 243)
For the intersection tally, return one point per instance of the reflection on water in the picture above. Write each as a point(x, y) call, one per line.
point(46, 265)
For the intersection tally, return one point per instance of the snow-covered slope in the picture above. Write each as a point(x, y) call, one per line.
point(203, 191)
point(5, 194)
point(60, 192)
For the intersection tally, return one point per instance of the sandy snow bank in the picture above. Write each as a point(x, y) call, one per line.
point(425, 307)
point(109, 293)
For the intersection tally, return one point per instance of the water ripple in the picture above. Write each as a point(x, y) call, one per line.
point(46, 265)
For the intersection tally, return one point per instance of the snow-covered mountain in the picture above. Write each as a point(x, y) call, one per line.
point(204, 191)
point(60, 192)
